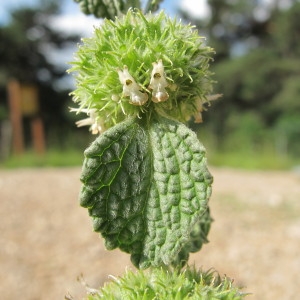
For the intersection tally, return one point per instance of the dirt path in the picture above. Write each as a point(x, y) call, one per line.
point(47, 240)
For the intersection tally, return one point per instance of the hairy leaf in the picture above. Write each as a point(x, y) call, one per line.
point(146, 186)
point(107, 8)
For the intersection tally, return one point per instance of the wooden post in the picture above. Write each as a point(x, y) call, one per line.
point(37, 131)
point(30, 109)
point(14, 98)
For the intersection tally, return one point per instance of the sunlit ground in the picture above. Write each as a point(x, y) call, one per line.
point(47, 239)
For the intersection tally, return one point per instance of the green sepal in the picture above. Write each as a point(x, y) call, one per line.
point(146, 186)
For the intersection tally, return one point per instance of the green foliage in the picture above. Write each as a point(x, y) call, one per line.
point(286, 100)
point(165, 285)
point(286, 31)
point(52, 158)
point(3, 112)
point(264, 159)
point(268, 91)
point(261, 78)
point(146, 186)
point(25, 43)
point(24, 38)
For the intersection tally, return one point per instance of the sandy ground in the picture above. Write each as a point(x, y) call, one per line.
point(47, 239)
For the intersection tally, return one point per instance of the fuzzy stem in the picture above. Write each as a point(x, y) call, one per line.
point(152, 5)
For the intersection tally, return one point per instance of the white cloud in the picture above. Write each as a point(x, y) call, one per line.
point(196, 8)
point(75, 24)
point(68, 24)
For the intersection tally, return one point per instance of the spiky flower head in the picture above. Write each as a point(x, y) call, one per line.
point(140, 64)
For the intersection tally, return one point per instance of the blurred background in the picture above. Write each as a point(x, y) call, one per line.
point(37, 40)
point(252, 136)
point(255, 124)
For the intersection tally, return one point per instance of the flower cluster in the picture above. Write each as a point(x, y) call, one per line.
point(139, 64)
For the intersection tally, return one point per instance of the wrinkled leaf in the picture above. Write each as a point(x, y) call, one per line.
point(146, 186)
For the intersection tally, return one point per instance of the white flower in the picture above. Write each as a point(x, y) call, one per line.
point(96, 126)
point(158, 83)
point(131, 88)
point(199, 106)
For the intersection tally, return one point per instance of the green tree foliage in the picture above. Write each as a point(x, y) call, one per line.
point(25, 44)
point(231, 24)
point(262, 81)
point(286, 31)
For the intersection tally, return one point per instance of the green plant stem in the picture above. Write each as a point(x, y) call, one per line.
point(152, 5)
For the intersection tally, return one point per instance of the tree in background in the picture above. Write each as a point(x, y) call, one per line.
point(257, 70)
point(26, 42)
point(256, 67)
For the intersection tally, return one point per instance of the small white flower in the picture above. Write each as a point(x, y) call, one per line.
point(96, 126)
point(198, 117)
point(200, 108)
point(131, 88)
point(158, 83)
